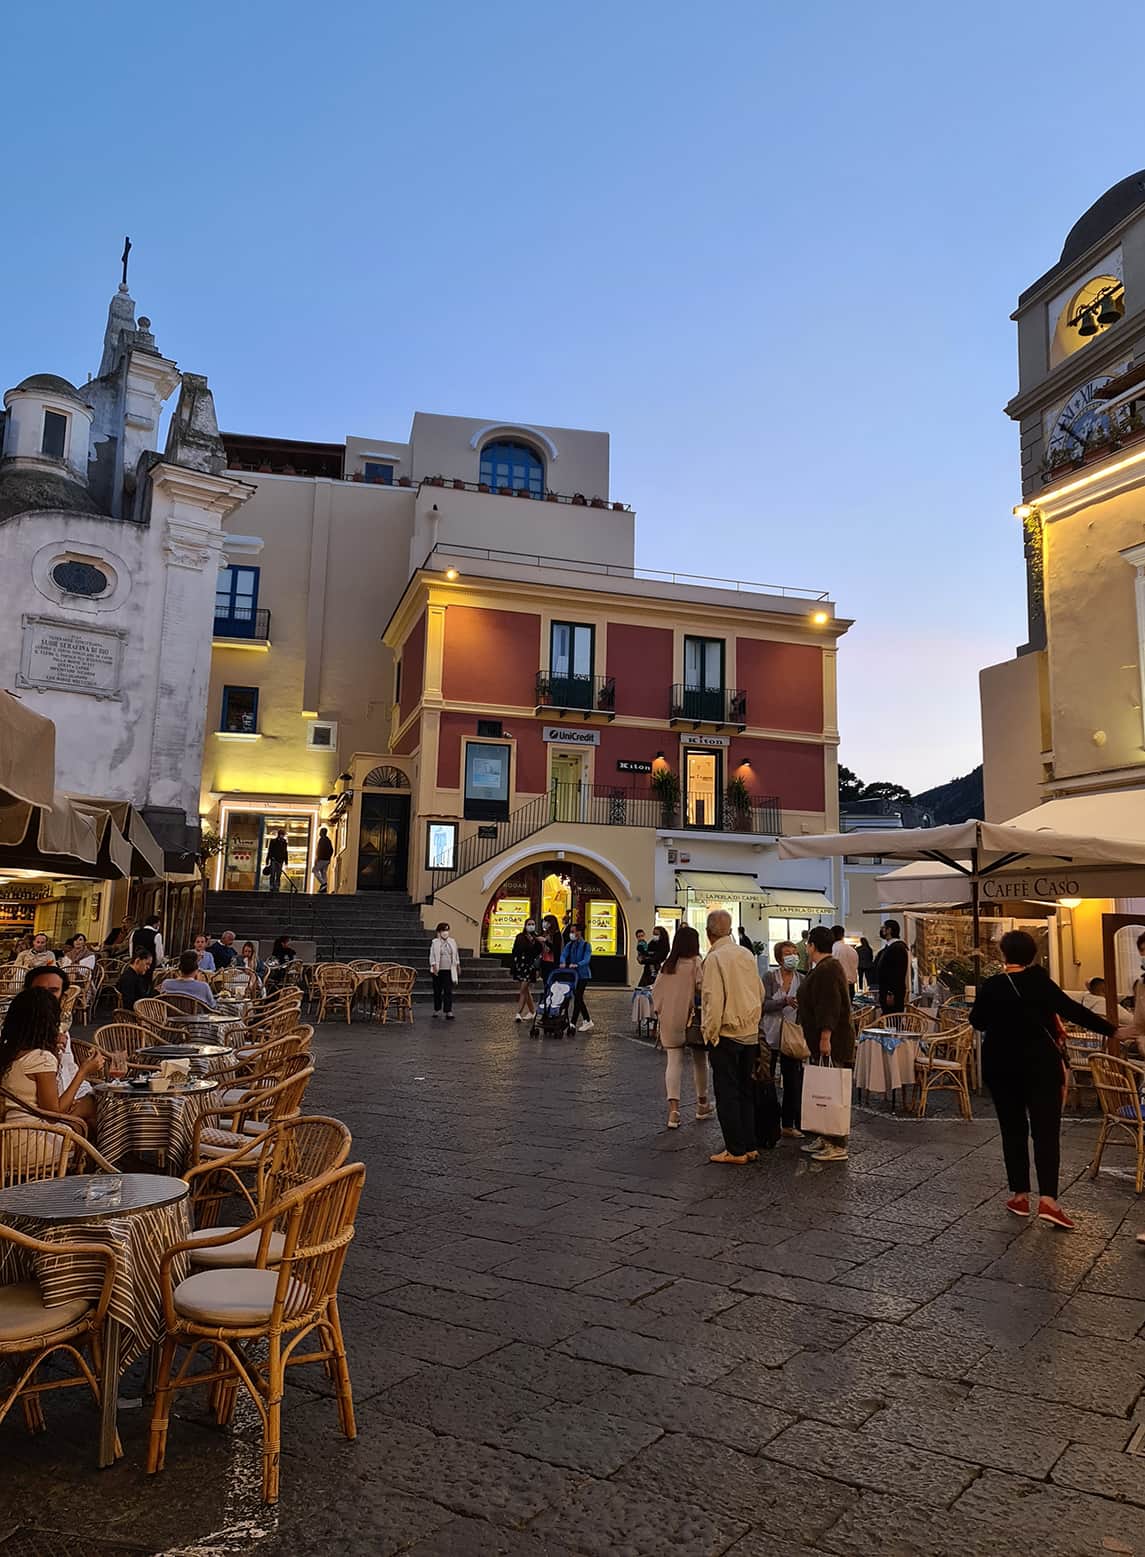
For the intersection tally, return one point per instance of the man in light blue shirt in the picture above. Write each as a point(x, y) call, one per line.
point(189, 982)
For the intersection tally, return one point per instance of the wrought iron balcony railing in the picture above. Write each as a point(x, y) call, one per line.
point(724, 706)
point(240, 623)
point(576, 694)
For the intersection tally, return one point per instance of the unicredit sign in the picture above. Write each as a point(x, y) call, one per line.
point(568, 736)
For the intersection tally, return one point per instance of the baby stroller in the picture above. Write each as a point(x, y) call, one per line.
point(552, 1017)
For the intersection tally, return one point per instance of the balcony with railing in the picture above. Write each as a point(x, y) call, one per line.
point(588, 696)
point(244, 626)
point(600, 805)
point(723, 708)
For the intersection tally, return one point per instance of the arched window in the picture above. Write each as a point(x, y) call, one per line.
point(512, 465)
point(385, 778)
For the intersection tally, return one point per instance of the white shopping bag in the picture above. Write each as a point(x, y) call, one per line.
point(826, 1100)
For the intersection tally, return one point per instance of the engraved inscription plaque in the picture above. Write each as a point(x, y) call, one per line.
point(64, 657)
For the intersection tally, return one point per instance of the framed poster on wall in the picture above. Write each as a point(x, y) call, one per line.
point(486, 781)
point(440, 845)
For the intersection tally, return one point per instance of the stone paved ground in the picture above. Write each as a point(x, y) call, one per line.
point(570, 1334)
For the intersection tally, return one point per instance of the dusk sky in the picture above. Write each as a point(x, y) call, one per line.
point(771, 249)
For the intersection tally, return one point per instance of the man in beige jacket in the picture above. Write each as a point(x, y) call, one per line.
point(731, 1007)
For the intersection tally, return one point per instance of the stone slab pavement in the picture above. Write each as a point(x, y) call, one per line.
point(569, 1333)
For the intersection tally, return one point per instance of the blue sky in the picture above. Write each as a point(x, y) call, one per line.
point(772, 249)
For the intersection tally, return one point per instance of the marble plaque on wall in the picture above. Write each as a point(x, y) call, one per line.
point(65, 657)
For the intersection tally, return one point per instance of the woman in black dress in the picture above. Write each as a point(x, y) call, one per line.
point(1018, 1013)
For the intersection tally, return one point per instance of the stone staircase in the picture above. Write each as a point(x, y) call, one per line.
point(385, 925)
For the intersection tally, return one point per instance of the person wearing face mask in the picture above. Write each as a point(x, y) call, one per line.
point(825, 1017)
point(891, 971)
point(526, 955)
point(1131, 1035)
point(577, 956)
point(444, 963)
point(780, 999)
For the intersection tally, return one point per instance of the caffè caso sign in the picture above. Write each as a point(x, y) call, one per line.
point(1025, 888)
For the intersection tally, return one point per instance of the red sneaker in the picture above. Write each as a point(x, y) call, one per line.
point(1054, 1215)
point(1019, 1205)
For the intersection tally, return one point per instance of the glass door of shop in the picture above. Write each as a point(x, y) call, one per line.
point(383, 843)
point(244, 850)
point(703, 787)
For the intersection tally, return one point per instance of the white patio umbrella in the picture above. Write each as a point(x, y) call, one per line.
point(983, 854)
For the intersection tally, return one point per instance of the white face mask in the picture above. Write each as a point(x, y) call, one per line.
point(531, 929)
point(791, 960)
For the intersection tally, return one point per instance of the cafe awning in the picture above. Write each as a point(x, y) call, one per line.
point(146, 854)
point(64, 840)
point(27, 754)
point(739, 886)
point(1101, 839)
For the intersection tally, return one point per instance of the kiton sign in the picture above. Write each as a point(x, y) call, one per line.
point(1023, 888)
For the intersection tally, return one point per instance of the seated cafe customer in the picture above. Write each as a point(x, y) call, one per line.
point(135, 980)
point(29, 1061)
point(190, 981)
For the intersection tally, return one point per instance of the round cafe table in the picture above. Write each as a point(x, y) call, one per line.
point(209, 1027)
point(141, 1216)
point(884, 1061)
point(130, 1121)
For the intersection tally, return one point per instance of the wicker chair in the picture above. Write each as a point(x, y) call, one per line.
point(290, 1154)
point(68, 1001)
point(1118, 1085)
point(45, 1151)
point(153, 1011)
point(11, 979)
point(82, 981)
point(225, 1129)
point(44, 1115)
point(336, 986)
point(187, 1005)
point(280, 1307)
point(397, 992)
point(943, 1065)
point(31, 1332)
point(121, 1041)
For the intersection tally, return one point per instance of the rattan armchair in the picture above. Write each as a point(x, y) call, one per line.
point(336, 986)
point(255, 1320)
point(121, 1041)
point(396, 992)
point(225, 1129)
point(31, 1332)
point(943, 1065)
point(1118, 1086)
point(45, 1151)
point(9, 1100)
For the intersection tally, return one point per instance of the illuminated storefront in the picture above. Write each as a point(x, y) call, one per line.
point(246, 832)
point(572, 894)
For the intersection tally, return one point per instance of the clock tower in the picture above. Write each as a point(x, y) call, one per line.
point(1067, 715)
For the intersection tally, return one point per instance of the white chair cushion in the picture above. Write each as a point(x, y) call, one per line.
point(219, 1143)
point(23, 1312)
point(229, 1297)
point(231, 1256)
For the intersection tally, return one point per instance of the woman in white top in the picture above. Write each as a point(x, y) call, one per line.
point(29, 1061)
point(444, 961)
point(674, 1001)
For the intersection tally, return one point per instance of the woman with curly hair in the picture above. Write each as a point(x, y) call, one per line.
point(30, 1061)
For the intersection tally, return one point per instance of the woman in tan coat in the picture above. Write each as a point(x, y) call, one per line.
point(674, 1001)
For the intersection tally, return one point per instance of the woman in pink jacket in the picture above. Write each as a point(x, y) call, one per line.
point(674, 1001)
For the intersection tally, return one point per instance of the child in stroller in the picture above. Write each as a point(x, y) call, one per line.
point(554, 1013)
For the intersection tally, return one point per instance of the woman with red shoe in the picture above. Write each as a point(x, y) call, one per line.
point(1019, 1013)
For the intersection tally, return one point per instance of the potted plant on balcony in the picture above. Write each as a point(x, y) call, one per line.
point(737, 798)
point(666, 788)
point(458, 484)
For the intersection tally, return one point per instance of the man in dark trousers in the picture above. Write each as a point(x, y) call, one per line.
point(323, 854)
point(823, 1006)
point(276, 857)
point(891, 972)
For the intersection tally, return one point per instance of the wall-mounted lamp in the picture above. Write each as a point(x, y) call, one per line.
point(820, 618)
point(451, 574)
point(1068, 902)
point(1022, 510)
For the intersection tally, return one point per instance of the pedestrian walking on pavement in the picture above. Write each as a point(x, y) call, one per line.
point(824, 1006)
point(732, 1004)
point(780, 1000)
point(323, 854)
point(444, 964)
point(526, 955)
point(866, 962)
point(277, 854)
point(1018, 1012)
point(577, 957)
point(674, 997)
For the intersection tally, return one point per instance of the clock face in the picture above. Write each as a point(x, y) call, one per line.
point(1076, 421)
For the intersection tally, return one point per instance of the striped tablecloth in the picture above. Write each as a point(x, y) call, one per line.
point(138, 1236)
point(211, 1028)
point(130, 1123)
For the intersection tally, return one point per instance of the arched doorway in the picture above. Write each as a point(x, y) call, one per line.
point(383, 839)
point(572, 894)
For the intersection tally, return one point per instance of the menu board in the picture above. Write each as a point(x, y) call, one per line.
point(600, 928)
point(506, 921)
